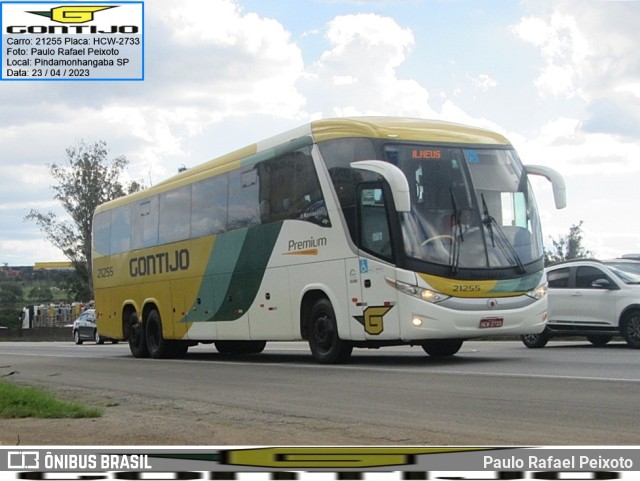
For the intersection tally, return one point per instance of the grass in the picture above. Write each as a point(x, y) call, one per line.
point(28, 402)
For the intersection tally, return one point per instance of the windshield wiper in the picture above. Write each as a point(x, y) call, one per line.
point(503, 242)
point(487, 220)
point(454, 259)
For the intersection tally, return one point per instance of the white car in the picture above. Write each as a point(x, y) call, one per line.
point(593, 299)
point(85, 329)
point(624, 263)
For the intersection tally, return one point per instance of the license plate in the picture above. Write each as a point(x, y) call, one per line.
point(491, 322)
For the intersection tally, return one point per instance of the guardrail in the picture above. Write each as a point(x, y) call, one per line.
point(37, 334)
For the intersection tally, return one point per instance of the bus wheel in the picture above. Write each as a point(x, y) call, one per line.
point(240, 347)
point(157, 345)
point(442, 347)
point(137, 339)
point(326, 346)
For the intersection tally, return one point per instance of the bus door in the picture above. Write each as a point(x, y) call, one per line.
point(379, 316)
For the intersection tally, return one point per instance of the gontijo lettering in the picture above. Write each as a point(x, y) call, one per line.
point(160, 263)
point(63, 29)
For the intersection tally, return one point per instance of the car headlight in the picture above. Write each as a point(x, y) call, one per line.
point(428, 295)
point(539, 292)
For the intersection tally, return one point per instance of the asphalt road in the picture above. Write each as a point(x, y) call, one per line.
point(491, 393)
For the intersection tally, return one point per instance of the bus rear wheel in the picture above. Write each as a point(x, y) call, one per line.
point(137, 338)
point(157, 345)
point(326, 346)
point(442, 347)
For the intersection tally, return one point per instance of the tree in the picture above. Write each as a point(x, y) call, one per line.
point(568, 247)
point(11, 295)
point(86, 180)
point(38, 294)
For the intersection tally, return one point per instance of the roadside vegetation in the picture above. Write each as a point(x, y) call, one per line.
point(82, 181)
point(24, 286)
point(566, 247)
point(29, 402)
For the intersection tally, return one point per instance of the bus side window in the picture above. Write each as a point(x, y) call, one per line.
point(289, 189)
point(144, 225)
point(121, 229)
point(102, 233)
point(173, 224)
point(375, 236)
point(209, 206)
point(244, 200)
point(338, 155)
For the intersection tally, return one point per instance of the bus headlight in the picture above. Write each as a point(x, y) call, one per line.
point(415, 291)
point(539, 292)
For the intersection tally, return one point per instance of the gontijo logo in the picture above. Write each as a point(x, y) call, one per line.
point(74, 19)
point(72, 14)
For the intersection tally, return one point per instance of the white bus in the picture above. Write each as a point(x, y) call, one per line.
point(353, 232)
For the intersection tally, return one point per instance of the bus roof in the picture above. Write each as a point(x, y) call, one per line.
point(392, 128)
point(399, 128)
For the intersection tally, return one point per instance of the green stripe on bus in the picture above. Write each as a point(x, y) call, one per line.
point(236, 267)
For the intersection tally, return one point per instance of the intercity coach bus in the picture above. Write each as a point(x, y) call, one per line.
point(352, 232)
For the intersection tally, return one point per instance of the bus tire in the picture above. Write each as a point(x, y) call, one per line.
point(157, 345)
point(240, 347)
point(137, 338)
point(442, 347)
point(326, 346)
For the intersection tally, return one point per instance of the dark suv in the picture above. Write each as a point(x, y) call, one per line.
point(593, 299)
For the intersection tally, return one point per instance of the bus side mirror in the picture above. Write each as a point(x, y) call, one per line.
point(394, 177)
point(557, 182)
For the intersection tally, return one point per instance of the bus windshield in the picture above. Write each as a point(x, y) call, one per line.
point(470, 207)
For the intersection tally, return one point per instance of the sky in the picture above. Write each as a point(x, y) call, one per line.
point(560, 79)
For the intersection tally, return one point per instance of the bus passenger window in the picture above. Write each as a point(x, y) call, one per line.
point(289, 189)
point(121, 229)
point(209, 206)
point(102, 233)
point(173, 224)
point(144, 228)
point(244, 198)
